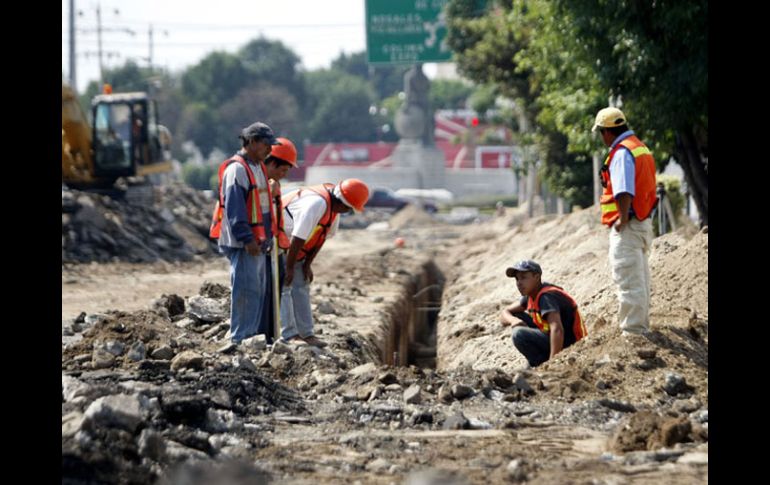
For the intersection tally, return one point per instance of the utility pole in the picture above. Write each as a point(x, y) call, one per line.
point(99, 40)
point(149, 59)
point(101, 53)
point(73, 62)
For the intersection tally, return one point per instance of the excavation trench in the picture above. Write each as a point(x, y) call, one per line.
point(410, 337)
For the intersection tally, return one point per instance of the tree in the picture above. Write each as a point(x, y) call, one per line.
point(655, 55)
point(340, 105)
point(215, 79)
point(270, 61)
point(489, 46)
point(126, 78)
point(385, 80)
point(449, 94)
point(271, 104)
point(565, 59)
point(196, 124)
point(199, 176)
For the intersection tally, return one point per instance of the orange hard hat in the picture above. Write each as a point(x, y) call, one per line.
point(354, 193)
point(399, 242)
point(285, 151)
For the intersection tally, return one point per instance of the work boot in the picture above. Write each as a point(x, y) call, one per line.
point(315, 341)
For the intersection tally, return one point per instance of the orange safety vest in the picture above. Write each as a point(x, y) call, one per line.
point(533, 308)
point(318, 236)
point(253, 207)
point(283, 239)
point(646, 197)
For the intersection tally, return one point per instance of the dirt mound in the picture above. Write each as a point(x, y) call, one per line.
point(647, 430)
point(411, 216)
point(572, 250)
point(168, 223)
point(146, 391)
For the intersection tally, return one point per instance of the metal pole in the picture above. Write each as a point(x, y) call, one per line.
point(149, 61)
point(99, 38)
point(73, 63)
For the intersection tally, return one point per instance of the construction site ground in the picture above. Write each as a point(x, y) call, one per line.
point(153, 393)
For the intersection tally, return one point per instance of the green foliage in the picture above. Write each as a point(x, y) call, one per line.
point(123, 79)
point(562, 60)
point(341, 111)
point(447, 94)
point(674, 193)
point(196, 123)
point(199, 176)
point(385, 80)
point(483, 99)
point(215, 79)
point(270, 61)
point(214, 181)
point(272, 105)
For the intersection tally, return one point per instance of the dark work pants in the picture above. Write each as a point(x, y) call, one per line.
point(266, 324)
point(531, 341)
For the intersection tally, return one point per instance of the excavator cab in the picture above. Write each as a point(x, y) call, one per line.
point(128, 141)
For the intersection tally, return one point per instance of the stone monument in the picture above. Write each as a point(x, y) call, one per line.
point(416, 149)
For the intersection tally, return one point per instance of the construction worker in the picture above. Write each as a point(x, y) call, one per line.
point(545, 320)
point(281, 159)
point(243, 225)
point(310, 217)
point(628, 178)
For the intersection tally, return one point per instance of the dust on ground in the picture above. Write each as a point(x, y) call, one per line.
point(605, 410)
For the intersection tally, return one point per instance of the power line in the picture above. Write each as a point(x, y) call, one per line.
point(194, 26)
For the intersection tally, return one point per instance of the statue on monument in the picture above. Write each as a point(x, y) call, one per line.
point(414, 119)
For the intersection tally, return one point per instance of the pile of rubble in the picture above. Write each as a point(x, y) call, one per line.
point(144, 392)
point(167, 223)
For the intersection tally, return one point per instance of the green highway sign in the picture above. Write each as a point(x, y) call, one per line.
point(406, 31)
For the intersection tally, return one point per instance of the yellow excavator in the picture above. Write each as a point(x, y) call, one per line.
point(125, 139)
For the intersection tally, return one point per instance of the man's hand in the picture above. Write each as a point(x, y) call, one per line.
point(252, 247)
point(289, 277)
point(308, 272)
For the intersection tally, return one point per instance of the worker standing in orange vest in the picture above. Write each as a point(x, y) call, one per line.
point(310, 217)
point(629, 197)
point(282, 158)
point(243, 226)
point(546, 320)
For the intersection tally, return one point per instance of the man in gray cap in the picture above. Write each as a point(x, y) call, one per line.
point(243, 225)
point(545, 320)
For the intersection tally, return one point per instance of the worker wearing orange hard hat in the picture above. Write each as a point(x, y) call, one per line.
point(309, 219)
point(281, 159)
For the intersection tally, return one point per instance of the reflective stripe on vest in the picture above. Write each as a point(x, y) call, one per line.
point(645, 196)
point(533, 308)
point(317, 237)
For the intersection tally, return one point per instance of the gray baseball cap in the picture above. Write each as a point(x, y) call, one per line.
point(259, 130)
point(525, 265)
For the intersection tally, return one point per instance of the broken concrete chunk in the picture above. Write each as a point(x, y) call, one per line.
point(187, 359)
point(116, 411)
point(162, 353)
point(208, 309)
point(412, 394)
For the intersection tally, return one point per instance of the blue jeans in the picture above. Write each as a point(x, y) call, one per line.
point(531, 341)
point(296, 316)
point(247, 280)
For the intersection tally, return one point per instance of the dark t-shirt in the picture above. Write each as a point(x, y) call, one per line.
point(556, 302)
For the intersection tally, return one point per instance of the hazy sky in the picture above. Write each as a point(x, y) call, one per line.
point(185, 31)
